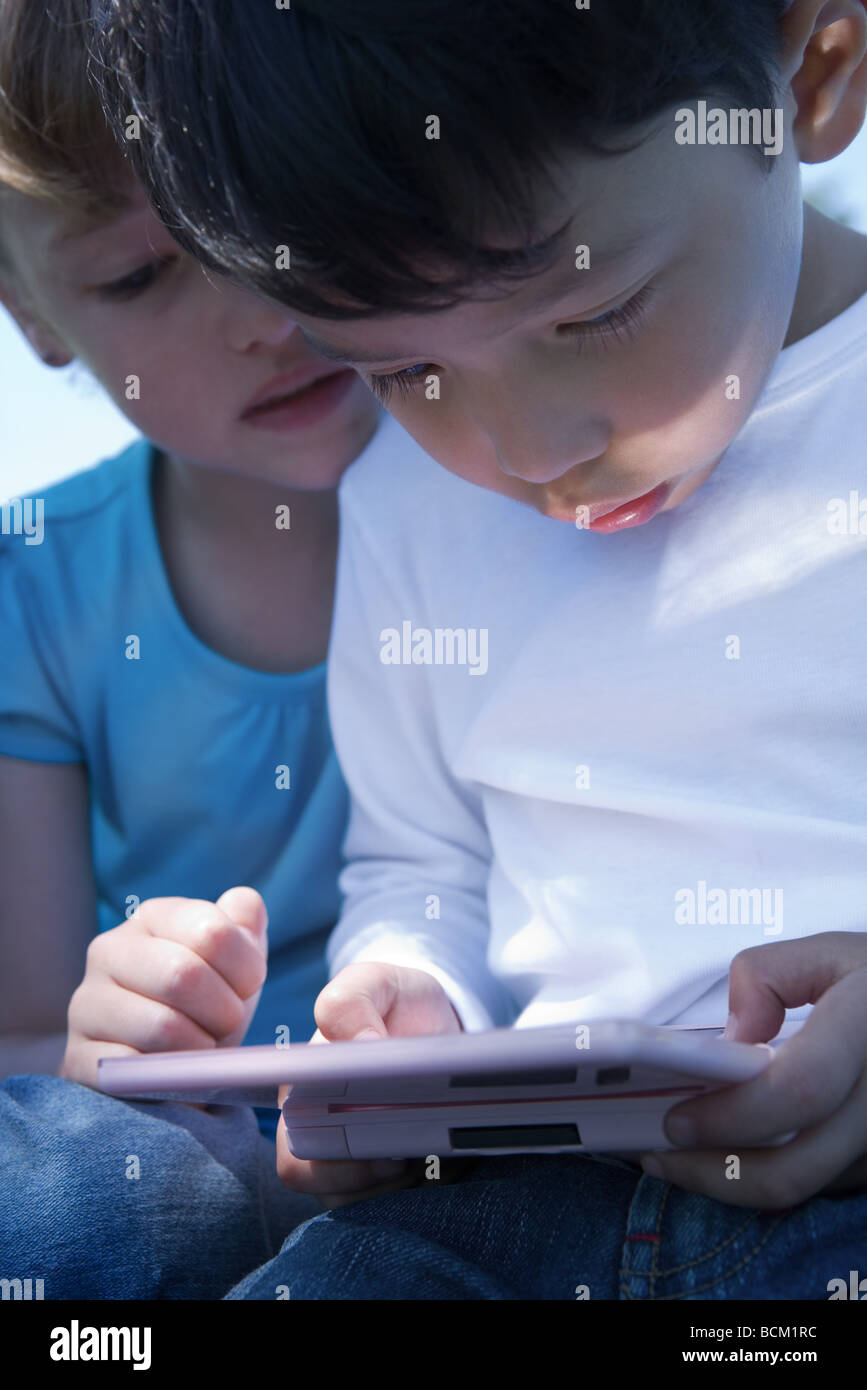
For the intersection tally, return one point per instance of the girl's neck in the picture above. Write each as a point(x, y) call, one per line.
point(254, 591)
point(223, 504)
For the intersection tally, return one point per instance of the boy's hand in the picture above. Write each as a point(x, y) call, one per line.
point(366, 1001)
point(179, 974)
point(816, 1084)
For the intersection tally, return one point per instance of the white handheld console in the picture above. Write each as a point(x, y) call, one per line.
point(599, 1087)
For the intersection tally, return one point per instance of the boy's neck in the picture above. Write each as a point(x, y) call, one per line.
point(833, 274)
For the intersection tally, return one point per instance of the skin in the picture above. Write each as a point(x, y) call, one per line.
point(181, 974)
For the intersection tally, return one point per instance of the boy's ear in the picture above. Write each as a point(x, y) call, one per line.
point(44, 341)
point(824, 61)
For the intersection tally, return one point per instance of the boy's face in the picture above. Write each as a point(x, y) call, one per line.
point(124, 299)
point(563, 422)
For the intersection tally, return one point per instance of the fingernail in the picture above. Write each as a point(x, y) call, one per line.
point(731, 1028)
point(652, 1166)
point(367, 1034)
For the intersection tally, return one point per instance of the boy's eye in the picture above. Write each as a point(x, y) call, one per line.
point(136, 283)
point(620, 323)
point(404, 380)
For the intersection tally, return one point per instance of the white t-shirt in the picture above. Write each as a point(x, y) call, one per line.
point(649, 750)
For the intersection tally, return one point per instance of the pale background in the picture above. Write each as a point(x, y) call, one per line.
point(55, 422)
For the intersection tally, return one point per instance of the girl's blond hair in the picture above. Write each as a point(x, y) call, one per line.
point(54, 140)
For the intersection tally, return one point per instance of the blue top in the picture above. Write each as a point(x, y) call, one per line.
point(184, 748)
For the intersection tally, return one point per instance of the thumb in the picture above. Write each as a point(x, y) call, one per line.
point(247, 907)
point(354, 1005)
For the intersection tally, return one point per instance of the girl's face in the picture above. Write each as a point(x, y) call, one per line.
point(185, 356)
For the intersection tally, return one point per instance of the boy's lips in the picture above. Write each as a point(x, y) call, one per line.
point(606, 517)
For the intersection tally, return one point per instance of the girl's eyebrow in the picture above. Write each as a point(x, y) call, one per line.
point(619, 248)
point(65, 236)
point(83, 230)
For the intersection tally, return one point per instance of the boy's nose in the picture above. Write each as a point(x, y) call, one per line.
point(536, 435)
point(543, 460)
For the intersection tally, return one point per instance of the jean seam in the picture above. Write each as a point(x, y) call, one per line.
point(626, 1255)
point(710, 1254)
point(655, 1273)
point(727, 1274)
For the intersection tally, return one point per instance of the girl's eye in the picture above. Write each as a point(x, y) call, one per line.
point(136, 283)
point(620, 324)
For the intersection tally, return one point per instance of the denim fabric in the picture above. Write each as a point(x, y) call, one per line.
point(522, 1227)
point(207, 1215)
point(561, 1227)
point(682, 1245)
point(206, 1208)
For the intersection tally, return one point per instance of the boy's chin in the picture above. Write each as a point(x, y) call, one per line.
point(684, 487)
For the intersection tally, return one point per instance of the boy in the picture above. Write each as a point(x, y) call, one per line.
point(670, 706)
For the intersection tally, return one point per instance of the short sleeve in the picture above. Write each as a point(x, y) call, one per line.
point(37, 722)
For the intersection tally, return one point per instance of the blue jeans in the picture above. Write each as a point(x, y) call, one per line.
point(207, 1211)
point(102, 1198)
point(564, 1227)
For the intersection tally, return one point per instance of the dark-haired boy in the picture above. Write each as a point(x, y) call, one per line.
point(632, 335)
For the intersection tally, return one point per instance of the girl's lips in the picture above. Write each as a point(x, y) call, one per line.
point(308, 406)
point(636, 513)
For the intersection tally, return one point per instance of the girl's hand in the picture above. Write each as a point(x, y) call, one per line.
point(179, 974)
point(816, 1084)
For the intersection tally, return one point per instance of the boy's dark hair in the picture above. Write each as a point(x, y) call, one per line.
point(264, 127)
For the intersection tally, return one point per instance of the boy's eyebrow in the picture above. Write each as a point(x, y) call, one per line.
point(616, 249)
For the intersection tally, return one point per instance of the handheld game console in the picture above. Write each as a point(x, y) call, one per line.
point(600, 1087)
